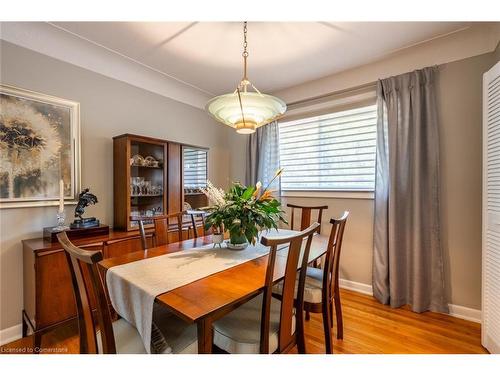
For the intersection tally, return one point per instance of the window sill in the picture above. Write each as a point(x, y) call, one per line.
point(328, 194)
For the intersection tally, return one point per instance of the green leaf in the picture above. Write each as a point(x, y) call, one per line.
point(248, 193)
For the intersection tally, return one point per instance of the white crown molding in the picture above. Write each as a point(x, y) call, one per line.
point(57, 43)
point(472, 41)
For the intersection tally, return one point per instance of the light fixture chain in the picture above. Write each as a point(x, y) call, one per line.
point(245, 43)
point(245, 55)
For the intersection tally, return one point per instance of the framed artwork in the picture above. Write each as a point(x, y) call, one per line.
point(39, 146)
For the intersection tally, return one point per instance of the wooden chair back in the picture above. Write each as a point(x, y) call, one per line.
point(84, 261)
point(305, 215)
point(163, 225)
point(142, 231)
point(332, 259)
point(295, 243)
point(200, 215)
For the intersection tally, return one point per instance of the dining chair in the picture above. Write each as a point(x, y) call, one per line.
point(166, 224)
point(265, 324)
point(142, 231)
point(163, 225)
point(321, 290)
point(114, 336)
point(305, 215)
point(124, 245)
point(197, 217)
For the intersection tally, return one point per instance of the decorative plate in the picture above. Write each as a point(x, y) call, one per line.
point(150, 161)
point(137, 160)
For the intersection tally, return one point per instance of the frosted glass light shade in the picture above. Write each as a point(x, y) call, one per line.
point(258, 109)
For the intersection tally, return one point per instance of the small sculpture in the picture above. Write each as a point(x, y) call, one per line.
point(85, 198)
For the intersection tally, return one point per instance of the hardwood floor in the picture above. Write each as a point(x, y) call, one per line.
point(369, 328)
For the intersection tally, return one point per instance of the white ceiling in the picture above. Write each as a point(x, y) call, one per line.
point(207, 55)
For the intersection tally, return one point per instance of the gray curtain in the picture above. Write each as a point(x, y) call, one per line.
point(408, 260)
point(263, 157)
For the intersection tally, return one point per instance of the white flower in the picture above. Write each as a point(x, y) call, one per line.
point(215, 195)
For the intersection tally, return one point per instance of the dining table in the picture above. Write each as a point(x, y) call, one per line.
point(209, 298)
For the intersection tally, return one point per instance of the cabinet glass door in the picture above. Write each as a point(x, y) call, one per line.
point(146, 180)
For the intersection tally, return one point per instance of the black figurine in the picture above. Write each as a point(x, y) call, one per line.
point(85, 198)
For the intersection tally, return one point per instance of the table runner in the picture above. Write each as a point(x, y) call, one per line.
point(134, 286)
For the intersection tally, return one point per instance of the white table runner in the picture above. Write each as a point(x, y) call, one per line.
point(134, 286)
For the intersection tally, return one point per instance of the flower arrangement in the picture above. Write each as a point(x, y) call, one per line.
point(243, 211)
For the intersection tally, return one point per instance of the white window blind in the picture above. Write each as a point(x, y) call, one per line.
point(195, 168)
point(330, 152)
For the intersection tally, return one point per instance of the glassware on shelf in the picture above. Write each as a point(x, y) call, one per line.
point(136, 184)
point(140, 187)
point(156, 189)
point(149, 212)
point(146, 188)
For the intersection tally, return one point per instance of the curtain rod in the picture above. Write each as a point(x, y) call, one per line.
point(334, 93)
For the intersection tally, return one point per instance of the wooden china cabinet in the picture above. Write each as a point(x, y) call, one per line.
point(149, 178)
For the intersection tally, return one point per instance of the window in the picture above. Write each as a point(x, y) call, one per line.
point(330, 152)
point(195, 168)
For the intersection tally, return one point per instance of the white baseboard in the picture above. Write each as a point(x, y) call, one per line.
point(11, 334)
point(356, 287)
point(457, 311)
point(466, 313)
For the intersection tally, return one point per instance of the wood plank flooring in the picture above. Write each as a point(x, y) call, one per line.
point(369, 328)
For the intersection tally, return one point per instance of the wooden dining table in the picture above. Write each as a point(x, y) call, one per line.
point(205, 300)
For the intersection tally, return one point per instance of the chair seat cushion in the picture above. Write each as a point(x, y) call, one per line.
point(127, 338)
point(239, 331)
point(178, 336)
point(312, 287)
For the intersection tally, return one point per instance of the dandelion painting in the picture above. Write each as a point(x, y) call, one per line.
point(38, 148)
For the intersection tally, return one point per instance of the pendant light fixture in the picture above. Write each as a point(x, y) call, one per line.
point(246, 110)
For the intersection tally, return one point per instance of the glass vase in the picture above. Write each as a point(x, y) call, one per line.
point(61, 217)
point(237, 241)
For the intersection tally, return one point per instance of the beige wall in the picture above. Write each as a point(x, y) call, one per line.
point(108, 108)
point(496, 53)
point(460, 107)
